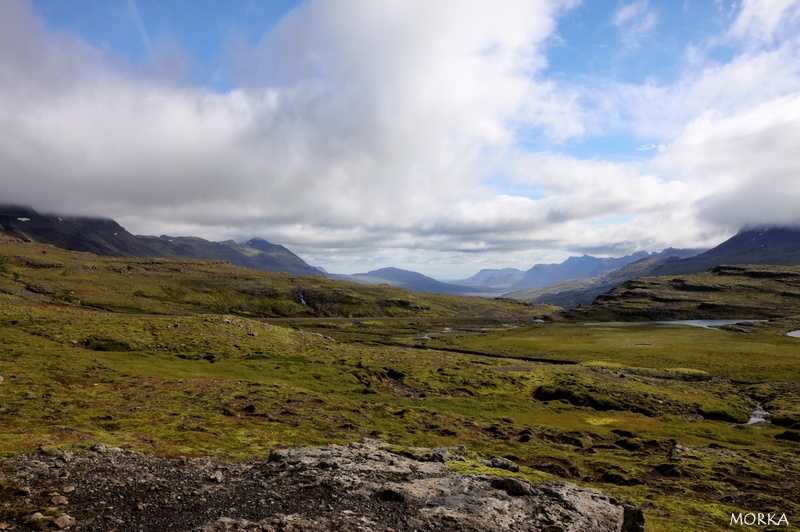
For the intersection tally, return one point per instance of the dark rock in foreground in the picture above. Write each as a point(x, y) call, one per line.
point(360, 486)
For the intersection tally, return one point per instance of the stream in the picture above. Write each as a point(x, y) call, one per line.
point(758, 415)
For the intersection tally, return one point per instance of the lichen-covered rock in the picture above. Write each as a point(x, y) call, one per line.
point(360, 486)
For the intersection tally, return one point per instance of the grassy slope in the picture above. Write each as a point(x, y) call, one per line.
point(185, 286)
point(735, 291)
point(197, 380)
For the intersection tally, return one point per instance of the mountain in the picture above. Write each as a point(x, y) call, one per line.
point(585, 267)
point(255, 253)
point(763, 245)
point(408, 280)
point(94, 235)
point(104, 236)
point(577, 292)
point(572, 268)
point(493, 278)
point(753, 274)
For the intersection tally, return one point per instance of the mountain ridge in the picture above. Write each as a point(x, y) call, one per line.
point(764, 245)
point(778, 245)
point(572, 293)
point(104, 236)
point(407, 279)
point(511, 280)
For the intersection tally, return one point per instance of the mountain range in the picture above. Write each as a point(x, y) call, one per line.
point(104, 236)
point(408, 280)
point(764, 245)
point(575, 282)
point(512, 280)
point(758, 245)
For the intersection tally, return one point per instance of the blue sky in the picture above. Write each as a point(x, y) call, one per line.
point(440, 136)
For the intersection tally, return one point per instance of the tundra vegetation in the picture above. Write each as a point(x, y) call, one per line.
point(201, 358)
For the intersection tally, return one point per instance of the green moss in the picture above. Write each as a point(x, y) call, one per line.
point(725, 413)
point(477, 467)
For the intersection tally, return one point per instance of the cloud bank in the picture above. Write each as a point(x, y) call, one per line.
point(367, 134)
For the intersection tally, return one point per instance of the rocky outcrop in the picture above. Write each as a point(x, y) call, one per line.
point(360, 486)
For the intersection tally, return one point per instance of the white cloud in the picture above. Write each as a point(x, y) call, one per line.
point(353, 114)
point(635, 20)
point(762, 22)
point(747, 164)
point(366, 131)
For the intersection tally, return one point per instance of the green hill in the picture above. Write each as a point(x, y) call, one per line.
point(106, 237)
point(185, 286)
point(736, 291)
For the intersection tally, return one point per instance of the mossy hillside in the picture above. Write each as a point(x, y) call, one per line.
point(271, 386)
point(211, 383)
point(177, 286)
point(734, 291)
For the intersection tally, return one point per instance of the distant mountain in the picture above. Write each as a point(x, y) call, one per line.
point(408, 280)
point(572, 268)
point(585, 267)
point(489, 279)
point(761, 246)
point(106, 237)
point(577, 292)
point(764, 245)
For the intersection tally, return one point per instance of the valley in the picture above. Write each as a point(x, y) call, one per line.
point(202, 359)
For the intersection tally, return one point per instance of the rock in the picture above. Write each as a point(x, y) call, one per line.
point(513, 486)
point(633, 519)
point(502, 463)
point(360, 486)
point(64, 521)
point(98, 448)
point(58, 500)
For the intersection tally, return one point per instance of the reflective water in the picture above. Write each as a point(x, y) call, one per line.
point(794, 334)
point(708, 324)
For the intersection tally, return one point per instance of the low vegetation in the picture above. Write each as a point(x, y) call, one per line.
point(177, 357)
point(736, 291)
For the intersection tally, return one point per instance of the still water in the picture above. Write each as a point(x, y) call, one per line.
point(708, 324)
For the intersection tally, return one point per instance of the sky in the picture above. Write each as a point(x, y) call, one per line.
point(440, 136)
